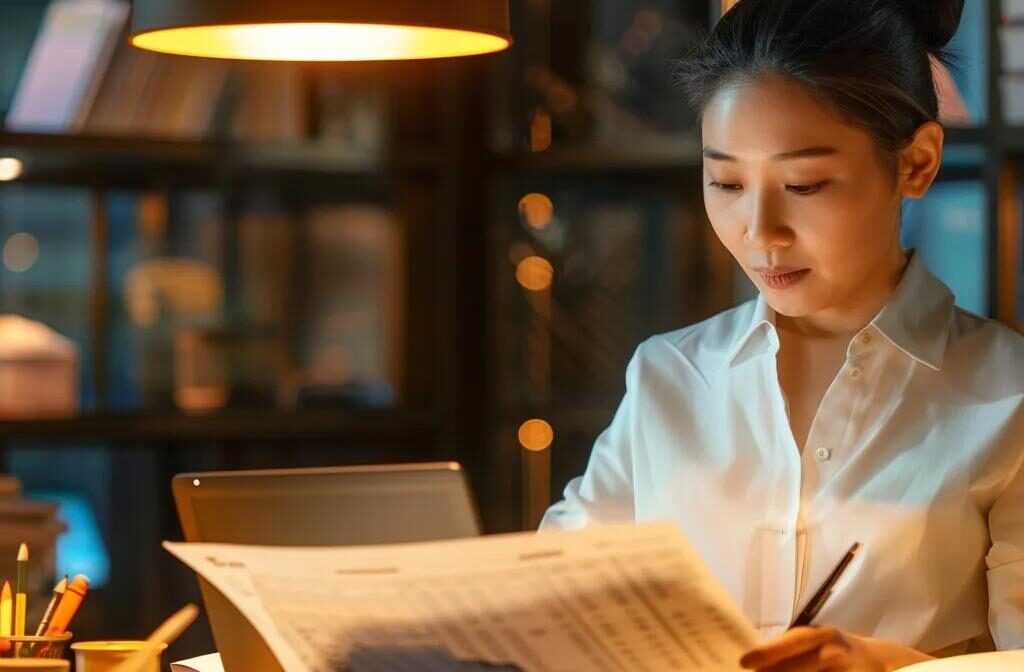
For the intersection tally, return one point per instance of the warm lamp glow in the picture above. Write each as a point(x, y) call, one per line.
point(319, 42)
point(10, 169)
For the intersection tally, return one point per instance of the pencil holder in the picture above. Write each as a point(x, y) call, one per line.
point(51, 646)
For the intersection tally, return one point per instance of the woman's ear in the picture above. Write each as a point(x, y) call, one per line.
point(919, 161)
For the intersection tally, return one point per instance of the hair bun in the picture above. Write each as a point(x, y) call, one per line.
point(937, 20)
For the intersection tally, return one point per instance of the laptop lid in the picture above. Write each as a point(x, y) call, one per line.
point(333, 506)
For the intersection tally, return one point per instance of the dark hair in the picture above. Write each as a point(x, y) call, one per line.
point(868, 58)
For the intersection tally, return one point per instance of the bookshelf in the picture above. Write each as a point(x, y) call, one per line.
point(449, 165)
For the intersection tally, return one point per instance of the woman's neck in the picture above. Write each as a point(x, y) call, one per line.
point(853, 314)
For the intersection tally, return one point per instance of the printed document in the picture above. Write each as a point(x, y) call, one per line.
point(604, 599)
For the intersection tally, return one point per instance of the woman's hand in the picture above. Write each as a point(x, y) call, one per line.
point(827, 649)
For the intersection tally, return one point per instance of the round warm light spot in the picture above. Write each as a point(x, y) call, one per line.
point(536, 435)
point(536, 210)
point(21, 252)
point(10, 169)
point(535, 273)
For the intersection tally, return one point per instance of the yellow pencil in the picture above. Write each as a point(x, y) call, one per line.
point(21, 592)
point(5, 610)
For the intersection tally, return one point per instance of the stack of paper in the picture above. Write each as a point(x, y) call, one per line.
point(607, 599)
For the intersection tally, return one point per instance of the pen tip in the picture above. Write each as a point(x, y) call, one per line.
point(22, 553)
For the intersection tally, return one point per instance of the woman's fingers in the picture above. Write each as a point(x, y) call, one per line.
point(834, 655)
point(829, 658)
point(791, 644)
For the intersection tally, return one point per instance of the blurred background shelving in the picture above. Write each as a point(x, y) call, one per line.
point(314, 264)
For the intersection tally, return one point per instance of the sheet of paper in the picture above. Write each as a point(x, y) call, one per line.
point(209, 663)
point(607, 599)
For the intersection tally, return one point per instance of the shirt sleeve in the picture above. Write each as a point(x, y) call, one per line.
point(604, 493)
point(1005, 562)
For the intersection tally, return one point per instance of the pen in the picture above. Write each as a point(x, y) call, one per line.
point(818, 601)
point(21, 592)
point(58, 593)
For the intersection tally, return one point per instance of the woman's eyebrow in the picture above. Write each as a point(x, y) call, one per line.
point(714, 154)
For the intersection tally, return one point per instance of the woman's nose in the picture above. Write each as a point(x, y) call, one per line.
point(765, 228)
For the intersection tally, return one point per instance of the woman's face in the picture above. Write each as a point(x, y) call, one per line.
point(799, 198)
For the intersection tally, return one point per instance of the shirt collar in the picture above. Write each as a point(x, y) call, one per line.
point(755, 335)
point(916, 319)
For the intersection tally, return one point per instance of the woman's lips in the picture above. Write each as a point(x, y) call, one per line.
point(783, 278)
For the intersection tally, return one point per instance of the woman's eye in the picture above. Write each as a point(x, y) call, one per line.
point(799, 189)
point(805, 190)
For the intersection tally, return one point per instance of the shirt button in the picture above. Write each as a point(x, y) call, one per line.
point(865, 338)
point(823, 454)
point(855, 372)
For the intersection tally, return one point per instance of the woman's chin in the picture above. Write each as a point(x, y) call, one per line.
point(789, 303)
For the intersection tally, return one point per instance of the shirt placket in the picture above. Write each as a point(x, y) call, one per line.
point(778, 531)
point(828, 442)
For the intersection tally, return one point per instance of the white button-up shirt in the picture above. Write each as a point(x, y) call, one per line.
point(916, 452)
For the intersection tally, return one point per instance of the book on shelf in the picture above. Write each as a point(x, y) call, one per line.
point(66, 65)
point(181, 98)
point(157, 95)
point(121, 91)
point(271, 106)
point(1011, 43)
point(353, 117)
point(355, 297)
point(1013, 10)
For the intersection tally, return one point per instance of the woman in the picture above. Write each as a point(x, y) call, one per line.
point(851, 401)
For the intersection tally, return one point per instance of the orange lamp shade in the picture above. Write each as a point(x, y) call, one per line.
point(321, 30)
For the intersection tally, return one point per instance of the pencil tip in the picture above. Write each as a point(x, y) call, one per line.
point(61, 586)
point(22, 553)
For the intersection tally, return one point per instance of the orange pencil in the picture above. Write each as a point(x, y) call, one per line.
point(68, 605)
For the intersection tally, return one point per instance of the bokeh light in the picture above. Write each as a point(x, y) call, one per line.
point(536, 435)
point(21, 252)
point(535, 273)
point(10, 169)
point(536, 210)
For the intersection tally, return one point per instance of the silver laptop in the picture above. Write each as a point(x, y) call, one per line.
point(336, 506)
